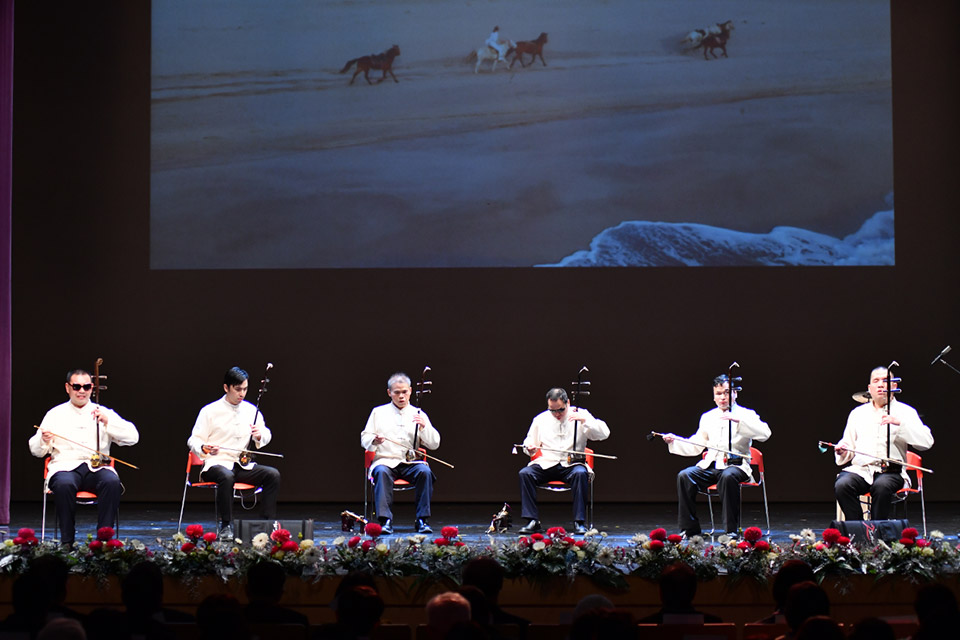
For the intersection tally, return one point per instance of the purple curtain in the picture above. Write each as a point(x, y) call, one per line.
point(6, 177)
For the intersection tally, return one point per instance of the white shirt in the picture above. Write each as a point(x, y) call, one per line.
point(391, 422)
point(865, 433)
point(550, 433)
point(77, 423)
point(226, 425)
point(716, 432)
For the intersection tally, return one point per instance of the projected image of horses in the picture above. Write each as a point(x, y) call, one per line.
point(626, 149)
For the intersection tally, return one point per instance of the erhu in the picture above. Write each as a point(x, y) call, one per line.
point(732, 459)
point(98, 459)
point(890, 391)
point(423, 388)
point(247, 455)
point(578, 388)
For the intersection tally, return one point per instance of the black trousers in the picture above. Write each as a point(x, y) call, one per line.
point(693, 479)
point(419, 474)
point(849, 487)
point(576, 475)
point(65, 484)
point(260, 475)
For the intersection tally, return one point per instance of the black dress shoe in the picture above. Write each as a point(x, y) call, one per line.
point(532, 527)
point(579, 528)
point(386, 526)
point(422, 526)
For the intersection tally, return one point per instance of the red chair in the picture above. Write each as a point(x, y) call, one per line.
point(193, 460)
point(83, 497)
point(756, 460)
point(900, 497)
point(560, 486)
point(398, 485)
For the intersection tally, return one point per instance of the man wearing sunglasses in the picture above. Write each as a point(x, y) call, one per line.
point(71, 468)
point(560, 428)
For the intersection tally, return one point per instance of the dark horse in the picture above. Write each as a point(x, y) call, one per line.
point(382, 61)
point(533, 47)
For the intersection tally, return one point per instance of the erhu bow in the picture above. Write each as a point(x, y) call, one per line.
point(657, 434)
point(247, 455)
point(824, 445)
point(423, 388)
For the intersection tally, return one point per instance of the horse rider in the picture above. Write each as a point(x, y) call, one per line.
point(498, 45)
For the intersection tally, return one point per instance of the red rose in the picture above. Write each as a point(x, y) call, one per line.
point(104, 533)
point(762, 545)
point(459, 543)
point(373, 529)
point(274, 549)
point(658, 534)
point(922, 542)
point(580, 543)
point(113, 544)
point(819, 546)
point(675, 538)
point(449, 532)
point(366, 545)
point(194, 530)
point(281, 535)
point(96, 545)
point(907, 542)
point(656, 544)
point(188, 546)
point(911, 533)
point(569, 540)
point(354, 541)
point(209, 536)
point(843, 540)
point(752, 534)
point(831, 535)
point(548, 541)
point(441, 542)
point(523, 541)
point(556, 531)
point(743, 544)
point(26, 533)
point(537, 536)
point(290, 545)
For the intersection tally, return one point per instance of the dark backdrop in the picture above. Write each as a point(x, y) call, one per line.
point(496, 339)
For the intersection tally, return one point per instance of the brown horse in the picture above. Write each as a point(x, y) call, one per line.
point(381, 61)
point(533, 47)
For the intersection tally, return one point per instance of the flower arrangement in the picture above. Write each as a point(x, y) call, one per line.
point(536, 557)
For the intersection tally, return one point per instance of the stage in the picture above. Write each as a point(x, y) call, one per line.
point(620, 521)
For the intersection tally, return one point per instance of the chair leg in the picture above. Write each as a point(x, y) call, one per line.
point(43, 517)
point(713, 527)
point(366, 497)
point(590, 513)
point(183, 503)
point(766, 506)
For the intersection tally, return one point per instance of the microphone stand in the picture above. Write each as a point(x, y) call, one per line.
point(941, 360)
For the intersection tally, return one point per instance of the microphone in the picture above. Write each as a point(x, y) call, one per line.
point(945, 351)
point(269, 366)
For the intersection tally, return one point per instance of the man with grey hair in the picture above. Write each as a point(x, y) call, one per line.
point(559, 428)
point(393, 433)
point(866, 433)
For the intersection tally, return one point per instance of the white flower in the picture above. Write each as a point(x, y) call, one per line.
point(260, 541)
point(306, 543)
point(724, 539)
point(382, 548)
point(339, 540)
point(417, 539)
point(605, 556)
point(639, 539)
point(321, 543)
point(591, 533)
point(311, 555)
point(539, 545)
point(936, 534)
point(696, 541)
point(927, 551)
point(808, 534)
point(580, 554)
point(179, 538)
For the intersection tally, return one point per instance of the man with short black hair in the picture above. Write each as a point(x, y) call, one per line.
point(73, 465)
point(223, 430)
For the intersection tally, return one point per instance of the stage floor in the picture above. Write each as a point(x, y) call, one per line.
point(620, 521)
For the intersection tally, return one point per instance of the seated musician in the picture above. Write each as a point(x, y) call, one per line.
point(724, 429)
point(224, 429)
point(74, 466)
point(866, 432)
point(394, 431)
point(559, 428)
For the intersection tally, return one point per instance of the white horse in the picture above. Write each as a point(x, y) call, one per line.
point(486, 53)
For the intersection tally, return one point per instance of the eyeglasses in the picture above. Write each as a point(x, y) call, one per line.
point(85, 387)
point(557, 412)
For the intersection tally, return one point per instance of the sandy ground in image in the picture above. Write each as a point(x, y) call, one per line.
point(270, 159)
